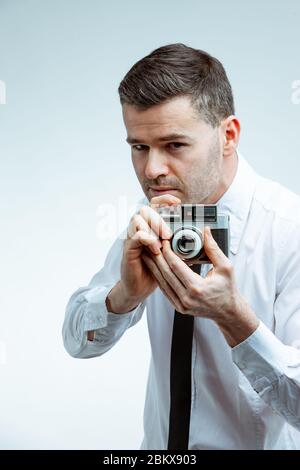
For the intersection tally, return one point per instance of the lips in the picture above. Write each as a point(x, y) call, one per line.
point(157, 192)
point(161, 189)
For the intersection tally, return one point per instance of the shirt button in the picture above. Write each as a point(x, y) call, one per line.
point(242, 365)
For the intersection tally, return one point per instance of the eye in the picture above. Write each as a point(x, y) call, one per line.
point(176, 145)
point(139, 147)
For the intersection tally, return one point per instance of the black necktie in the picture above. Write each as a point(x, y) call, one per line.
point(180, 378)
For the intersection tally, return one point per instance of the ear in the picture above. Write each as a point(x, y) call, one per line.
point(231, 129)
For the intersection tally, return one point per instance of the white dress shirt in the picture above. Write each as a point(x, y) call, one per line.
point(246, 397)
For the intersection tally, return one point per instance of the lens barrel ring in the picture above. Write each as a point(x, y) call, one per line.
point(187, 242)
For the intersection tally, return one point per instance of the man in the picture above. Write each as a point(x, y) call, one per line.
point(245, 393)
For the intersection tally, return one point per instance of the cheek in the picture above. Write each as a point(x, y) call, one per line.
point(180, 165)
point(138, 166)
point(186, 167)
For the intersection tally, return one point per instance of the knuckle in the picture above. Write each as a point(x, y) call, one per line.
point(227, 269)
point(186, 302)
point(137, 235)
point(142, 237)
point(133, 224)
point(172, 265)
point(194, 291)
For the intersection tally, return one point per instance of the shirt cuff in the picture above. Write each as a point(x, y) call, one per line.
point(96, 313)
point(260, 358)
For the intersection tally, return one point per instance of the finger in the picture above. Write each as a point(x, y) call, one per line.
point(213, 251)
point(146, 236)
point(137, 223)
point(165, 199)
point(170, 294)
point(156, 222)
point(169, 275)
point(185, 275)
point(142, 239)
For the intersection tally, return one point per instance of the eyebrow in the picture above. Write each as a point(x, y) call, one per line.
point(132, 140)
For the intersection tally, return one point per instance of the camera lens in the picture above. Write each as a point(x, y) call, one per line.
point(187, 243)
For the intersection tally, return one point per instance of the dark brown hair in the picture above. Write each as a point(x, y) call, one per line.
point(174, 70)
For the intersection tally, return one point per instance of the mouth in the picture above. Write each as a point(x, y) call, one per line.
point(161, 190)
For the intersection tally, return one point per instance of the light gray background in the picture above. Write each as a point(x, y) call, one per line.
point(63, 153)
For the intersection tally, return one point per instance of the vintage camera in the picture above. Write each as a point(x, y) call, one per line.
point(187, 222)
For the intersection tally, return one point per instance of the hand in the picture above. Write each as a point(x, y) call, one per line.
point(216, 296)
point(143, 235)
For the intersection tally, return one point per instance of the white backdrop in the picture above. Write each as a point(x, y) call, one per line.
point(63, 153)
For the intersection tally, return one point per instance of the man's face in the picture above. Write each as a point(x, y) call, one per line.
point(174, 151)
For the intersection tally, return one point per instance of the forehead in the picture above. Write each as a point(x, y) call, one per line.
point(175, 116)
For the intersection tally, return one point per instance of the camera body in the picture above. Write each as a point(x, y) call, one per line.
point(187, 222)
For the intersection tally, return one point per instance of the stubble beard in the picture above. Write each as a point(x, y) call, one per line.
point(203, 185)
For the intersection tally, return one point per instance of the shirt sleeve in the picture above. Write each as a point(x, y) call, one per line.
point(273, 370)
point(271, 361)
point(86, 310)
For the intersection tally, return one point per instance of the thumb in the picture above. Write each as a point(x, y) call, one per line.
point(212, 249)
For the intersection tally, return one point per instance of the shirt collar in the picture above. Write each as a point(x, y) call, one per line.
point(236, 201)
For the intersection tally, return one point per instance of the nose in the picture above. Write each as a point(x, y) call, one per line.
point(156, 165)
